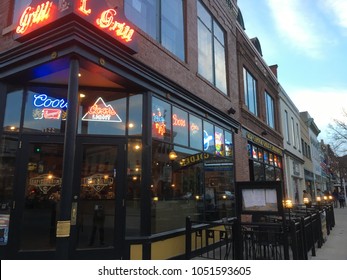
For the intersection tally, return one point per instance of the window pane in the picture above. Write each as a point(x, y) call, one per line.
point(228, 144)
point(161, 120)
point(209, 138)
point(19, 7)
point(180, 126)
point(13, 111)
point(270, 113)
point(172, 27)
point(218, 33)
point(45, 110)
point(195, 132)
point(219, 53)
point(219, 188)
point(219, 141)
point(269, 173)
point(175, 190)
point(135, 115)
point(133, 190)
point(205, 52)
point(204, 17)
point(143, 14)
point(258, 169)
point(8, 149)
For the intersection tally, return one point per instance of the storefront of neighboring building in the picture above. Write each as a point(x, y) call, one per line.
point(292, 143)
point(101, 156)
point(265, 159)
point(261, 143)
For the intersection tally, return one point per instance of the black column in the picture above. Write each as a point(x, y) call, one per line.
point(64, 218)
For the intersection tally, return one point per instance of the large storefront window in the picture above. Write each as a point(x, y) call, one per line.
point(185, 181)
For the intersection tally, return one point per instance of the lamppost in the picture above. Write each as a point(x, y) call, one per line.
point(306, 202)
point(288, 204)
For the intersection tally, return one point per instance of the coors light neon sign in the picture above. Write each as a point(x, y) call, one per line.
point(110, 20)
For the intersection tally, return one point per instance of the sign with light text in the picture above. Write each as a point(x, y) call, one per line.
point(47, 107)
point(107, 15)
point(101, 112)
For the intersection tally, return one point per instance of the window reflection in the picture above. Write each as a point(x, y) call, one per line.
point(176, 186)
point(13, 111)
point(133, 190)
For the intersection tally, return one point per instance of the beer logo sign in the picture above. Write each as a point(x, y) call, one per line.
point(100, 112)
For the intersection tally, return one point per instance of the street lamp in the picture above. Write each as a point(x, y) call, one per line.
point(288, 204)
point(306, 202)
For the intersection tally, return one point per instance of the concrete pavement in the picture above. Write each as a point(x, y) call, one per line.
point(335, 247)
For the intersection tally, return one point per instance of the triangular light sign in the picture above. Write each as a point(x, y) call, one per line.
point(100, 112)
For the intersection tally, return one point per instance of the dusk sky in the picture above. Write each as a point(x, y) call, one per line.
point(307, 39)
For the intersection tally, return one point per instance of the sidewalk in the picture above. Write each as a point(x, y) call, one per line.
point(335, 247)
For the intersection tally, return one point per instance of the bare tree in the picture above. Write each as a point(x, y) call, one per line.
point(338, 135)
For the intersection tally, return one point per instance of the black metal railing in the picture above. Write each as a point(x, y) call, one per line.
point(298, 236)
point(210, 240)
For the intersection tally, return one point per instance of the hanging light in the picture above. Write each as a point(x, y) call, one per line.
point(172, 155)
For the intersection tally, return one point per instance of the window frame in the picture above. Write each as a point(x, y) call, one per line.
point(254, 108)
point(217, 34)
point(270, 110)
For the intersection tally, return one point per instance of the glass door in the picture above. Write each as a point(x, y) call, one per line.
point(99, 200)
point(37, 189)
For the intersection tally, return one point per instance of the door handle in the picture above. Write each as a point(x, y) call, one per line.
point(74, 213)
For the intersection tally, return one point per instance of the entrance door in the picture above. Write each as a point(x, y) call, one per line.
point(98, 199)
point(37, 197)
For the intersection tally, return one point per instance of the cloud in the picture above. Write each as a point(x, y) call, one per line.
point(339, 9)
point(323, 104)
point(297, 25)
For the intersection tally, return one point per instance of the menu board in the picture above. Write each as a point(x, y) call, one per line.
point(259, 200)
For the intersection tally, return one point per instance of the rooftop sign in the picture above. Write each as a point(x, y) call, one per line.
point(98, 12)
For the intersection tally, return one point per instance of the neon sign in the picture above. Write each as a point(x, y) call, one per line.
point(42, 100)
point(100, 112)
point(52, 108)
point(194, 128)
point(121, 30)
point(176, 121)
point(110, 20)
point(219, 143)
point(159, 123)
point(207, 139)
point(32, 16)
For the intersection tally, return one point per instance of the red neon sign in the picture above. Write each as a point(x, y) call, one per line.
point(111, 21)
point(107, 20)
point(32, 16)
point(176, 121)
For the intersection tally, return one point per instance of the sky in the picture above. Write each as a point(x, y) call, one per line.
point(307, 39)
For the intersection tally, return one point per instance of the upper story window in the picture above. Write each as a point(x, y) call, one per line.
point(286, 123)
point(293, 132)
point(211, 47)
point(162, 20)
point(250, 89)
point(298, 136)
point(270, 110)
